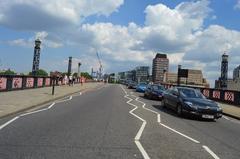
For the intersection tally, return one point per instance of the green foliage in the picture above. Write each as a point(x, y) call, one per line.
point(8, 72)
point(40, 72)
point(75, 74)
point(86, 75)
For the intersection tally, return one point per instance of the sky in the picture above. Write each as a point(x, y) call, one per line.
point(126, 33)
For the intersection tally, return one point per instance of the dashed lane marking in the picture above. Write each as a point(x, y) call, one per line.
point(193, 140)
point(210, 152)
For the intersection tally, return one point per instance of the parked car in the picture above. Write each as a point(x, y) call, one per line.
point(191, 101)
point(141, 87)
point(154, 91)
point(132, 85)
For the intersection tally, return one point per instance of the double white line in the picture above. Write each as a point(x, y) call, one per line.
point(140, 131)
point(159, 121)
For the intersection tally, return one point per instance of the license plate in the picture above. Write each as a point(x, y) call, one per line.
point(208, 116)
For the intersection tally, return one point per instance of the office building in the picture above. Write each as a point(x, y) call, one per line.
point(195, 78)
point(121, 76)
point(233, 84)
point(236, 73)
point(141, 74)
point(159, 68)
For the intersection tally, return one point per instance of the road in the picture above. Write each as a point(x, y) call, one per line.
point(114, 122)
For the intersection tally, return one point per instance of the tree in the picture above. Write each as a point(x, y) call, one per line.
point(86, 75)
point(75, 74)
point(8, 72)
point(40, 72)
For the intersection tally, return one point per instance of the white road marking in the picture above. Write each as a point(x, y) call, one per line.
point(139, 134)
point(210, 152)
point(37, 111)
point(180, 133)
point(225, 117)
point(61, 101)
point(33, 112)
point(51, 105)
point(7, 123)
point(159, 119)
point(140, 147)
point(144, 104)
point(231, 119)
point(140, 131)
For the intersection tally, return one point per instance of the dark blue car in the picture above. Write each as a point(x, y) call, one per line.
point(141, 87)
point(154, 91)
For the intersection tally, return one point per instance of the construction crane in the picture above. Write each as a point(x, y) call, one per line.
point(99, 74)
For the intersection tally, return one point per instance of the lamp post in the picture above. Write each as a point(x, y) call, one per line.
point(79, 73)
point(178, 75)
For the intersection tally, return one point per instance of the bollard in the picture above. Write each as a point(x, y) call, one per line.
point(53, 86)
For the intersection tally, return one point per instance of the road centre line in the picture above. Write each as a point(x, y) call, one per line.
point(139, 133)
point(210, 152)
point(195, 141)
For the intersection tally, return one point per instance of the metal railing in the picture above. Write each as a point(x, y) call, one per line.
point(18, 82)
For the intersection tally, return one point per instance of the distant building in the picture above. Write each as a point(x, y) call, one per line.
point(121, 76)
point(130, 75)
point(233, 84)
point(236, 73)
point(195, 77)
point(159, 67)
point(142, 74)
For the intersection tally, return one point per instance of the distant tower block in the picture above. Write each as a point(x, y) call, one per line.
point(70, 66)
point(224, 71)
point(36, 57)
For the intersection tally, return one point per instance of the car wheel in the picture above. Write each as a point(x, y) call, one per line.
point(179, 110)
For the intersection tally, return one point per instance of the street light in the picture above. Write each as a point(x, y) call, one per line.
point(79, 64)
point(79, 73)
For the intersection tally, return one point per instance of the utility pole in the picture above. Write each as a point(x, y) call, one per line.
point(100, 67)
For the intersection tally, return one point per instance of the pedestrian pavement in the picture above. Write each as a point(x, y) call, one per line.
point(15, 101)
point(230, 110)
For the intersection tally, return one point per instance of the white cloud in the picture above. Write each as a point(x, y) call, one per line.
point(21, 42)
point(178, 31)
point(43, 36)
point(237, 6)
point(50, 14)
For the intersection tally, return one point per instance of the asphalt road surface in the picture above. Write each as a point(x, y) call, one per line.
point(115, 122)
